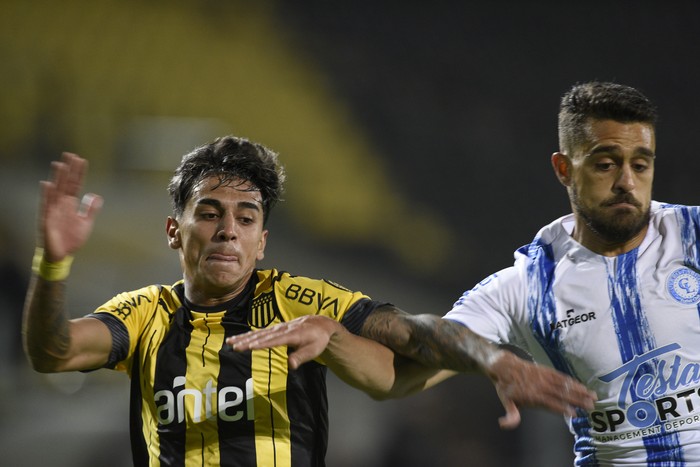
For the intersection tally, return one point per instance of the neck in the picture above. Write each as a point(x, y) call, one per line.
point(214, 297)
point(602, 246)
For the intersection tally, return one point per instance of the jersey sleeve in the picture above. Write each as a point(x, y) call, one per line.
point(356, 316)
point(127, 315)
point(120, 338)
point(491, 308)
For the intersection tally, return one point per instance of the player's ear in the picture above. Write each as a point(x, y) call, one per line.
point(561, 163)
point(172, 230)
point(261, 246)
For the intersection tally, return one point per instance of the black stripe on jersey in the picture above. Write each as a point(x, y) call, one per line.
point(139, 451)
point(171, 363)
point(307, 405)
point(236, 439)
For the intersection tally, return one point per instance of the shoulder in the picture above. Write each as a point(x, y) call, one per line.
point(142, 300)
point(501, 283)
point(298, 295)
point(282, 280)
point(674, 215)
point(547, 242)
point(661, 209)
point(149, 293)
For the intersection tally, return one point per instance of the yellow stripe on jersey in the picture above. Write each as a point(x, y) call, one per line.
point(272, 427)
point(167, 303)
point(202, 440)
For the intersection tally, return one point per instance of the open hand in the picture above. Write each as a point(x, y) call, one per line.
point(519, 382)
point(308, 336)
point(65, 222)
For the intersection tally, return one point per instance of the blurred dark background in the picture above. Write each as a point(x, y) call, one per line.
point(416, 137)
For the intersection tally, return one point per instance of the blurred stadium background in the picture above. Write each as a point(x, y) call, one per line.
point(416, 136)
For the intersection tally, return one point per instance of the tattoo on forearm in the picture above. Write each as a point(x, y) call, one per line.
point(430, 340)
point(47, 331)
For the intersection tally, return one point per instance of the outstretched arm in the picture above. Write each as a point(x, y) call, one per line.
point(440, 343)
point(360, 362)
point(52, 342)
point(427, 350)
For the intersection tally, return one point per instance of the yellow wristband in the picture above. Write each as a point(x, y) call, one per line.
point(57, 271)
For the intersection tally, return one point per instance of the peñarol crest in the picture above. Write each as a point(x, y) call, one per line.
point(262, 313)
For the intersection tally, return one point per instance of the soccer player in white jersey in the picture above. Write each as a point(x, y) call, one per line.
point(609, 294)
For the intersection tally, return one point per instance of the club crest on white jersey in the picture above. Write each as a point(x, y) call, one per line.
point(683, 284)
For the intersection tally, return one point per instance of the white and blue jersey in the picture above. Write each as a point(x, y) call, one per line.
point(628, 327)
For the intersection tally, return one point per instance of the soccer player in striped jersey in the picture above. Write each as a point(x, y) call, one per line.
point(194, 401)
point(609, 294)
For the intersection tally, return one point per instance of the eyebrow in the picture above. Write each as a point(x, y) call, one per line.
point(640, 151)
point(217, 204)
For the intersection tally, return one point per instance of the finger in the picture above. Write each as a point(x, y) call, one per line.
point(260, 340)
point(46, 189)
point(511, 419)
point(75, 170)
point(239, 337)
point(49, 187)
point(90, 205)
point(242, 342)
point(59, 175)
point(561, 402)
point(582, 398)
point(301, 356)
point(294, 361)
point(575, 394)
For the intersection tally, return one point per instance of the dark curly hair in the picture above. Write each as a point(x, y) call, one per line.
point(600, 101)
point(229, 158)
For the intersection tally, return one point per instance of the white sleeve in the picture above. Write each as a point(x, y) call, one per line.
point(494, 308)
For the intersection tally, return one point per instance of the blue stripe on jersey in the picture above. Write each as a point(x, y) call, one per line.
point(634, 337)
point(689, 221)
point(633, 334)
point(540, 302)
point(542, 311)
point(690, 226)
point(583, 445)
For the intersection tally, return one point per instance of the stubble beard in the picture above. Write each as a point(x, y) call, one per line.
point(613, 227)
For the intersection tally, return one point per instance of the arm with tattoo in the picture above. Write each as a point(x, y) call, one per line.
point(431, 340)
point(45, 325)
point(438, 343)
point(52, 341)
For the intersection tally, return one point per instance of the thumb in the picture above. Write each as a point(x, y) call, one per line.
point(512, 417)
point(300, 356)
point(90, 205)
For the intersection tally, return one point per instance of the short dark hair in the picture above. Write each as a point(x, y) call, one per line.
point(600, 101)
point(229, 158)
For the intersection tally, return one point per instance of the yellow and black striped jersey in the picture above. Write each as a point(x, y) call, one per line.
point(196, 402)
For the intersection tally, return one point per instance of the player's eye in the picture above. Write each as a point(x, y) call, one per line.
point(604, 166)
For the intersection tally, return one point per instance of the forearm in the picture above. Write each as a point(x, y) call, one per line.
point(45, 324)
point(431, 340)
point(375, 369)
point(361, 363)
point(438, 343)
